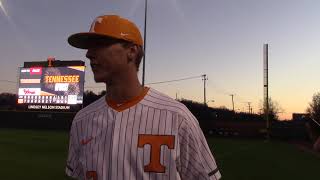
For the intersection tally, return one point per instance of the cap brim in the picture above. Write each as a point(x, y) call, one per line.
point(87, 40)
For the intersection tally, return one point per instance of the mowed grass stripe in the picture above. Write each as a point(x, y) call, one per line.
point(32, 154)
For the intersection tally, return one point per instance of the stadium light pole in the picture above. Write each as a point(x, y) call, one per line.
point(266, 88)
point(204, 78)
point(144, 41)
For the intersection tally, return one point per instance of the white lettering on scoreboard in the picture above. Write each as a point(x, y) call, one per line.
point(61, 86)
point(72, 99)
point(48, 107)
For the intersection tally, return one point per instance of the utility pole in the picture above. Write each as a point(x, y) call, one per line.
point(204, 78)
point(232, 101)
point(249, 106)
point(144, 43)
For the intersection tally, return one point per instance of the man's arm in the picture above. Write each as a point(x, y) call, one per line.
point(196, 160)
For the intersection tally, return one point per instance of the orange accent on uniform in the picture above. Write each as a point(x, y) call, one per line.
point(92, 174)
point(84, 142)
point(155, 141)
point(129, 103)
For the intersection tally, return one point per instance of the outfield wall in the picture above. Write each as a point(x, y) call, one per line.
point(257, 129)
point(249, 129)
point(36, 120)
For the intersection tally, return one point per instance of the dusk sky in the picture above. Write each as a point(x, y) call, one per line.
point(221, 38)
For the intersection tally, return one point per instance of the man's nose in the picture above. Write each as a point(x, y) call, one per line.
point(90, 54)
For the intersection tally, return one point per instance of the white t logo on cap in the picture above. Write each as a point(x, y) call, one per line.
point(97, 20)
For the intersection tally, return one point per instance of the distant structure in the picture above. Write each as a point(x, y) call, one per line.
point(300, 116)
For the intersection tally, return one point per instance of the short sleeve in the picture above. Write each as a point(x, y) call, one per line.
point(196, 160)
point(73, 167)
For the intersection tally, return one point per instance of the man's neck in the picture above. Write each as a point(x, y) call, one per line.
point(123, 91)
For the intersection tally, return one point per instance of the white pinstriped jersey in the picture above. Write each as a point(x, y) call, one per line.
point(152, 137)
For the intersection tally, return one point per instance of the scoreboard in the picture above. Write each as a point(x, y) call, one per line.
point(51, 88)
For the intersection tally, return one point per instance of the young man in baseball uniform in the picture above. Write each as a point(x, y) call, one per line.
point(133, 132)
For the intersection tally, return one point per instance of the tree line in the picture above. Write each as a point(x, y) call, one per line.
point(8, 101)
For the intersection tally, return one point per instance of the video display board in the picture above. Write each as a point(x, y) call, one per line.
point(51, 87)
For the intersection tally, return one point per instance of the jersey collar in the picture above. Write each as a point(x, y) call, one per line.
point(131, 102)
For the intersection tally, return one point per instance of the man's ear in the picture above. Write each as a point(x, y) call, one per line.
point(133, 52)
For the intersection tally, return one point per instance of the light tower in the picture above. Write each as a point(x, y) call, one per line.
point(265, 88)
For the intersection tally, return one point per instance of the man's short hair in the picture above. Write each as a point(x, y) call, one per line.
point(140, 53)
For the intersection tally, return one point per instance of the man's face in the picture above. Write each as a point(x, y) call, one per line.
point(108, 61)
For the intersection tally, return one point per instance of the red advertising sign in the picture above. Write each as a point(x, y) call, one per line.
point(36, 71)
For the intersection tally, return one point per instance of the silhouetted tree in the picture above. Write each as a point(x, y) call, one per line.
point(102, 93)
point(274, 109)
point(89, 97)
point(314, 112)
point(203, 112)
point(8, 101)
point(199, 110)
point(314, 107)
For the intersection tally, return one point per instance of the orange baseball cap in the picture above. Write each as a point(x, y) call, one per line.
point(104, 27)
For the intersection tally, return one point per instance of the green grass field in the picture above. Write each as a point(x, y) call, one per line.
point(27, 154)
